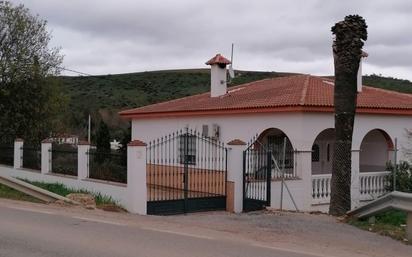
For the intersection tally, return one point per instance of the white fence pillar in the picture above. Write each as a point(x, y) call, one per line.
point(83, 147)
point(234, 183)
point(18, 153)
point(409, 226)
point(304, 171)
point(46, 146)
point(355, 180)
point(136, 177)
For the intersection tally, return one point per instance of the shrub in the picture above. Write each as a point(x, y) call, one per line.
point(403, 177)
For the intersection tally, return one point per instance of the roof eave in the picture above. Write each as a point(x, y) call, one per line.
point(281, 109)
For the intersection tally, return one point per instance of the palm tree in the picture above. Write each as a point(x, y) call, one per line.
point(350, 35)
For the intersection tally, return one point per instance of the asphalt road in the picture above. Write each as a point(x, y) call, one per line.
point(32, 233)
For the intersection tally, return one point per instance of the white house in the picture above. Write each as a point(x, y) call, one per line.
point(297, 110)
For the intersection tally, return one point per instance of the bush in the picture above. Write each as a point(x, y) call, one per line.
point(403, 177)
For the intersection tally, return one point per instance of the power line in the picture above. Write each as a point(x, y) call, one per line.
point(104, 77)
point(78, 72)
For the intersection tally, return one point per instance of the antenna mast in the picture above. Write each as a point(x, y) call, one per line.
point(231, 71)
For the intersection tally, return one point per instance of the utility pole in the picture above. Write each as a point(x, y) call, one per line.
point(89, 129)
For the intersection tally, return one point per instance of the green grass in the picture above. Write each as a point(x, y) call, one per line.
point(390, 223)
point(10, 193)
point(62, 190)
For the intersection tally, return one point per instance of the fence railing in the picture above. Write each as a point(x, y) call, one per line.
point(31, 157)
point(107, 166)
point(63, 162)
point(7, 155)
point(321, 185)
point(373, 184)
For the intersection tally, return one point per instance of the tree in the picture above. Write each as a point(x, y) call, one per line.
point(102, 142)
point(407, 150)
point(29, 95)
point(125, 139)
point(350, 35)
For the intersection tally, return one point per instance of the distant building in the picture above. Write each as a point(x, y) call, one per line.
point(65, 139)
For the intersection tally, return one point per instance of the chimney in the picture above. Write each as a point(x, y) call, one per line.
point(218, 86)
point(359, 78)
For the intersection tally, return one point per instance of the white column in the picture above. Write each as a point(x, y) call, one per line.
point(304, 171)
point(18, 153)
point(46, 146)
point(409, 227)
point(355, 180)
point(136, 177)
point(235, 173)
point(83, 148)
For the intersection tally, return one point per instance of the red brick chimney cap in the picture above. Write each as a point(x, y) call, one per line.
point(218, 59)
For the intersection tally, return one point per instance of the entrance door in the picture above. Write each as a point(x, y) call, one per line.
point(186, 172)
point(257, 170)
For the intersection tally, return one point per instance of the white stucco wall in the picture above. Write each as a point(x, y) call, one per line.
point(301, 128)
point(243, 127)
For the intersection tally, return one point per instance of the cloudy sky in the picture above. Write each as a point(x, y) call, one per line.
point(119, 36)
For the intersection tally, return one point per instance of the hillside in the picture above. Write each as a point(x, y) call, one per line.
point(103, 96)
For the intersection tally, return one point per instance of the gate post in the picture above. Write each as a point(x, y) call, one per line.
point(304, 171)
point(18, 153)
point(136, 177)
point(409, 226)
point(355, 180)
point(83, 148)
point(46, 146)
point(235, 176)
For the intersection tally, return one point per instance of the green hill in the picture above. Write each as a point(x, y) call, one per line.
point(103, 96)
point(400, 85)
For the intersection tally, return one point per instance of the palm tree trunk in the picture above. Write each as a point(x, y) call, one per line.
point(347, 50)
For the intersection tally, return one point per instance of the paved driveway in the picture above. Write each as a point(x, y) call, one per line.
point(28, 229)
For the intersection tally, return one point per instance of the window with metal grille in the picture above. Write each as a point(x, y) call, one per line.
point(315, 153)
point(187, 149)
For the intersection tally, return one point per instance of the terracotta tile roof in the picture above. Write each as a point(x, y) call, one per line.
point(294, 93)
point(218, 59)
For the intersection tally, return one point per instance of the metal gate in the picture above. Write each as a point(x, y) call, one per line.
point(257, 169)
point(186, 172)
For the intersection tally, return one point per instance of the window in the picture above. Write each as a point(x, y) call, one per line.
point(205, 130)
point(187, 149)
point(315, 153)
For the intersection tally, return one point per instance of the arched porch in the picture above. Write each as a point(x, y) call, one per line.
point(283, 155)
point(322, 152)
point(376, 151)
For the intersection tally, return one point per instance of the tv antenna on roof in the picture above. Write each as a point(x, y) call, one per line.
point(231, 71)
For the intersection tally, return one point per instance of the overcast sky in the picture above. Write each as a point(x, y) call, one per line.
point(119, 36)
